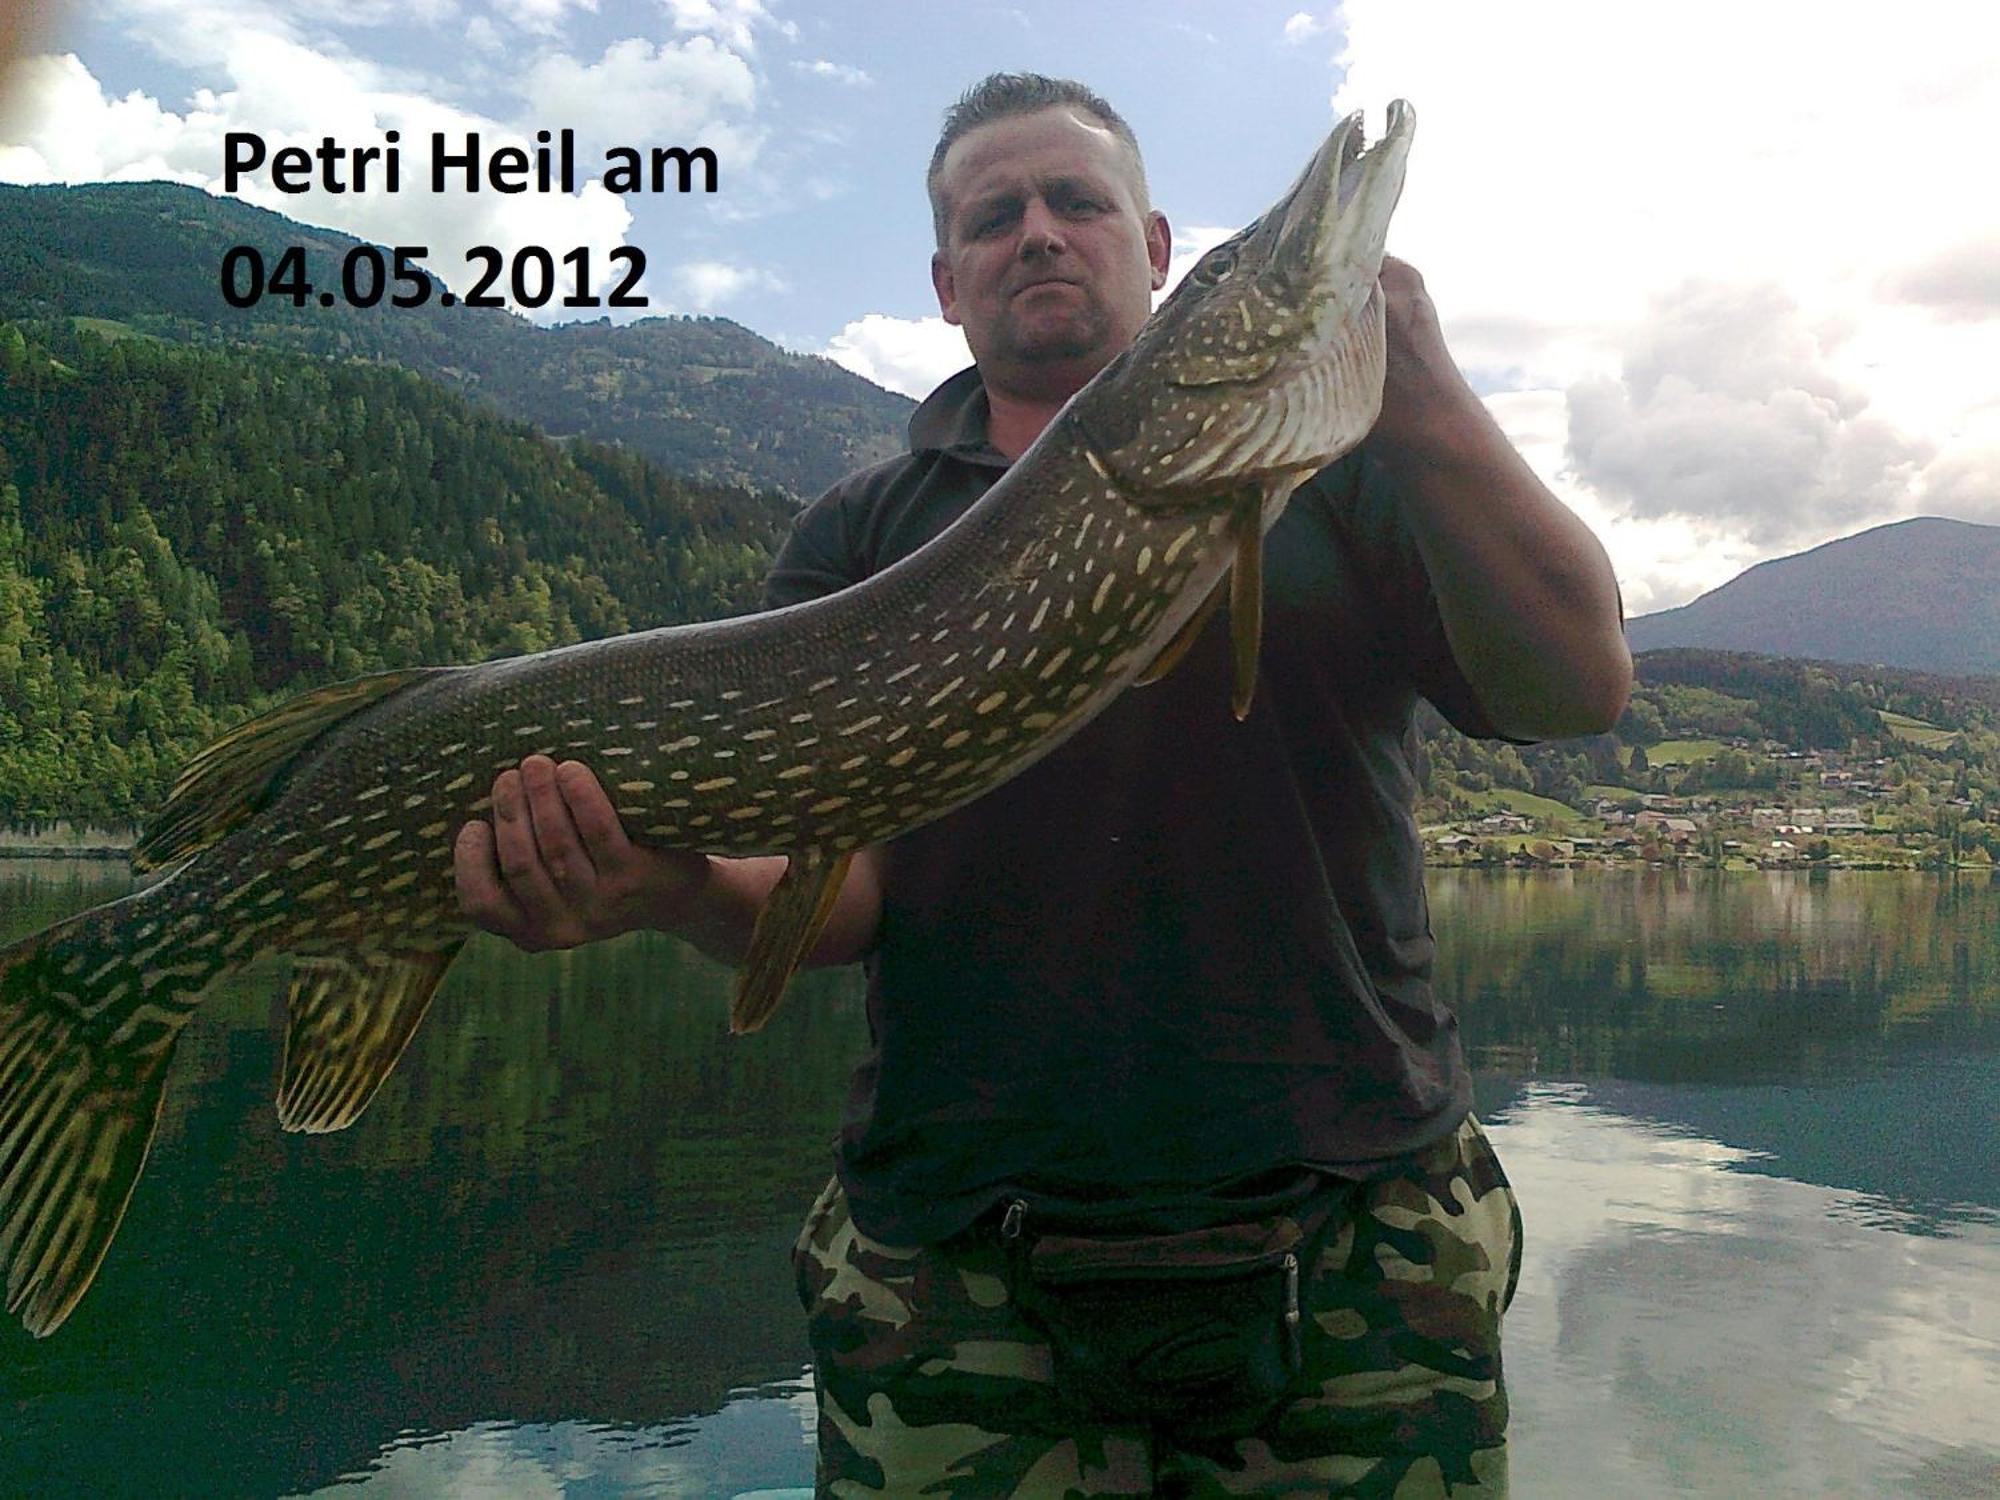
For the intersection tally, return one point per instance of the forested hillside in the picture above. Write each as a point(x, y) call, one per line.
point(187, 534)
point(702, 397)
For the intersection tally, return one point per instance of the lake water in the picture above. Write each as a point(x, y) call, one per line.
point(1752, 1121)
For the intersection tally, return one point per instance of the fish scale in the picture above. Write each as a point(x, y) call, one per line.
point(324, 829)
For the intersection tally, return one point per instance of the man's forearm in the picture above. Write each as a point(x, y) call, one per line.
point(1526, 592)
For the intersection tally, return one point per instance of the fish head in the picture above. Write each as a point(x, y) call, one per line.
point(1266, 363)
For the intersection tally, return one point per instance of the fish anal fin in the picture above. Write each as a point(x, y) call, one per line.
point(349, 1019)
point(76, 1121)
point(1184, 638)
point(234, 776)
point(790, 923)
point(1246, 600)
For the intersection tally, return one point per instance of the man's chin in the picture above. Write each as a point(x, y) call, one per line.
point(1057, 343)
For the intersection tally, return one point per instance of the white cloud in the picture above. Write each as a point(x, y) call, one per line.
point(1725, 408)
point(819, 67)
point(1962, 282)
point(736, 22)
point(1567, 181)
point(911, 355)
point(1303, 26)
point(706, 284)
point(64, 128)
point(1964, 484)
point(639, 94)
point(544, 17)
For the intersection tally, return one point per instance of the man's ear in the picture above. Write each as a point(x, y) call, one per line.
point(946, 286)
point(1159, 246)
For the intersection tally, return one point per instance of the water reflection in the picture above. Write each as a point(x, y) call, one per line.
point(753, 1447)
point(1700, 977)
point(1685, 1327)
point(1750, 1118)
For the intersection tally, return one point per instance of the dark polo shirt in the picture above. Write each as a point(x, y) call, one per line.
point(1182, 963)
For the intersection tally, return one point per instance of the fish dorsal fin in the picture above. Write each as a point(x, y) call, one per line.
point(350, 1017)
point(1246, 599)
point(236, 775)
point(787, 927)
point(1184, 638)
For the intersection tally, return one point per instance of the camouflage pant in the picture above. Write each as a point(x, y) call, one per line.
point(932, 1382)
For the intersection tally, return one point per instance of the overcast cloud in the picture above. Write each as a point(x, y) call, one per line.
point(1725, 407)
point(1577, 164)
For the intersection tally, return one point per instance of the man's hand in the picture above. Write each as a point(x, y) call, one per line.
point(1422, 385)
point(554, 868)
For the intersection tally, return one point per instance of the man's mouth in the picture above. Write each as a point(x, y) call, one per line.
point(1046, 281)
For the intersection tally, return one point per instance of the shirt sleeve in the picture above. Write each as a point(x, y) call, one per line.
point(818, 557)
point(1370, 508)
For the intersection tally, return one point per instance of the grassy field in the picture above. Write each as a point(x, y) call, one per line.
point(1916, 731)
point(1509, 799)
point(107, 328)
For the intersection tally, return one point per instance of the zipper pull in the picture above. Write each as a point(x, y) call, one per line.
point(1293, 1344)
point(1010, 1225)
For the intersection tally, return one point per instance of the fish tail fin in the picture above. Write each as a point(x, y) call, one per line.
point(79, 1100)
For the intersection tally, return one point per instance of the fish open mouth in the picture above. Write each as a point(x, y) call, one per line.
point(1339, 187)
point(1353, 146)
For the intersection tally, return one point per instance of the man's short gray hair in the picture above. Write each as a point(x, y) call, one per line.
point(1000, 96)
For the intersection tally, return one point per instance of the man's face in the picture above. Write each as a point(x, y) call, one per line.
point(1050, 258)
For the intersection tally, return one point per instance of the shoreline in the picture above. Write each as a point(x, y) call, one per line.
point(122, 854)
point(80, 851)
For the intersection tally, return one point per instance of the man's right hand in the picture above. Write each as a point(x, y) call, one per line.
point(554, 868)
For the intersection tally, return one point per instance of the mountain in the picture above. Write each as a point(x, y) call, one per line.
point(703, 397)
point(1923, 593)
point(188, 534)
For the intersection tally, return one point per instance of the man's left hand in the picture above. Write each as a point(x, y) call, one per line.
point(1422, 386)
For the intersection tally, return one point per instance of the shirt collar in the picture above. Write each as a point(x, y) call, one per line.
point(953, 419)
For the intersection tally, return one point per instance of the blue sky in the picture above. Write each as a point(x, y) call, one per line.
point(1715, 266)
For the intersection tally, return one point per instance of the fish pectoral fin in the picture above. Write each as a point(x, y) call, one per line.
point(787, 927)
point(1246, 598)
point(1184, 638)
point(76, 1120)
point(350, 1017)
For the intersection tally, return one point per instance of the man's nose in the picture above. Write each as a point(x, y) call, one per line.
point(1041, 230)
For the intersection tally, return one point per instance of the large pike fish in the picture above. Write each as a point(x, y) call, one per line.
point(324, 829)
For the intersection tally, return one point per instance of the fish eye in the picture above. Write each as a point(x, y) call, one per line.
point(1218, 263)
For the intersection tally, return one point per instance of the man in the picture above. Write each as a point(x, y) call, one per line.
point(1166, 992)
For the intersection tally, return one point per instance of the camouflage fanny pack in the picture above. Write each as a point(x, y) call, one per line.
point(1199, 1330)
